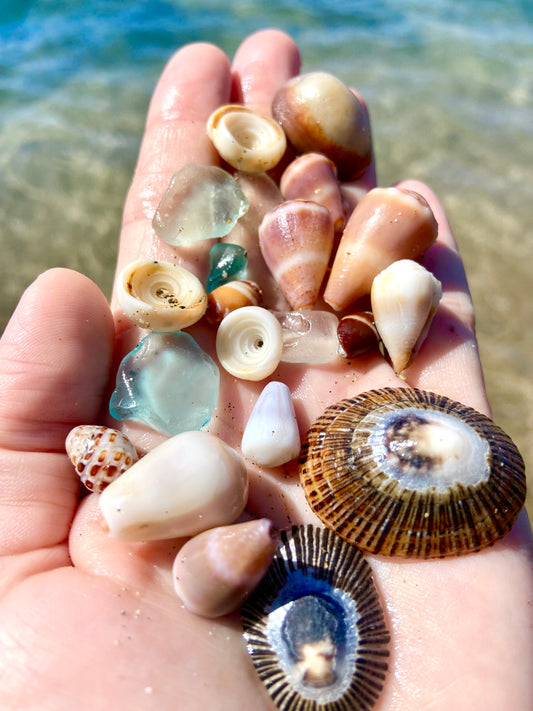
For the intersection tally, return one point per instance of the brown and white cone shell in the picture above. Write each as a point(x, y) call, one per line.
point(312, 176)
point(233, 295)
point(296, 240)
point(405, 472)
point(404, 299)
point(99, 454)
point(215, 571)
point(388, 224)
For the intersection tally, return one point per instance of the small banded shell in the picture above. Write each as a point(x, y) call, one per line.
point(357, 334)
point(160, 296)
point(99, 454)
point(245, 139)
point(315, 628)
point(249, 343)
point(233, 295)
point(405, 472)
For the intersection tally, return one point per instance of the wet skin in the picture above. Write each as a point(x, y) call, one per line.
point(90, 623)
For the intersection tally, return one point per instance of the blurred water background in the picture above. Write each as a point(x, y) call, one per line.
point(450, 89)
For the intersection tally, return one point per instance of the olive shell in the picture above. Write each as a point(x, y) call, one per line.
point(351, 494)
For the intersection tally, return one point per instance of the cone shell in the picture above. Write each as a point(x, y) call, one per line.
point(404, 299)
point(357, 334)
point(296, 241)
point(406, 472)
point(387, 225)
point(233, 295)
point(99, 454)
point(315, 628)
point(312, 176)
point(216, 570)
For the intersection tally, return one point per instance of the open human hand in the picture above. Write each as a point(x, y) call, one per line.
point(89, 622)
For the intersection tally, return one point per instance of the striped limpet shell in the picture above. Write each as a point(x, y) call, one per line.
point(314, 626)
point(406, 472)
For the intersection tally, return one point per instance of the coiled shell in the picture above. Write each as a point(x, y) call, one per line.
point(249, 343)
point(99, 454)
point(245, 139)
point(233, 295)
point(314, 626)
point(401, 471)
point(160, 296)
point(357, 334)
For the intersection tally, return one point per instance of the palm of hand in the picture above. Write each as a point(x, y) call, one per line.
point(91, 622)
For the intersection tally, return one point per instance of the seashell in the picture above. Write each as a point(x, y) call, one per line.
point(271, 436)
point(245, 139)
point(312, 176)
point(233, 295)
point(99, 454)
point(216, 570)
point(189, 483)
point(357, 334)
point(405, 472)
point(160, 296)
point(387, 225)
point(314, 626)
point(296, 239)
point(319, 113)
point(404, 299)
point(249, 343)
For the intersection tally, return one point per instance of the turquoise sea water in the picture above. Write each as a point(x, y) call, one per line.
point(450, 89)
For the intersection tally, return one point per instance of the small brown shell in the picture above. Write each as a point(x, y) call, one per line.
point(381, 471)
point(233, 295)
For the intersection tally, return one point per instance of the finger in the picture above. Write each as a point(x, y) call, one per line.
point(449, 361)
point(262, 64)
point(55, 359)
point(195, 81)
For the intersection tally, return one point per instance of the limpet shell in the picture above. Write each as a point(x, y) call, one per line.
point(405, 472)
point(315, 628)
point(99, 454)
point(161, 296)
point(245, 139)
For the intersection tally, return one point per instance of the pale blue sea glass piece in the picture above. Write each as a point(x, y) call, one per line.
point(308, 336)
point(166, 382)
point(226, 263)
point(201, 202)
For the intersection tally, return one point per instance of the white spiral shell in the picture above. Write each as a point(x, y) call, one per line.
point(160, 296)
point(246, 140)
point(249, 343)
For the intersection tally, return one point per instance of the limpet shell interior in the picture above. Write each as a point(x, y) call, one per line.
point(402, 471)
point(314, 626)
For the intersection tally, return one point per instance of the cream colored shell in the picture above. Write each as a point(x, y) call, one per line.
point(160, 296)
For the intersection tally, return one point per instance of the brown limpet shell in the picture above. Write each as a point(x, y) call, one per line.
point(406, 472)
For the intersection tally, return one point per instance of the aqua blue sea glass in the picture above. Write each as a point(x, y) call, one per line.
point(226, 263)
point(168, 383)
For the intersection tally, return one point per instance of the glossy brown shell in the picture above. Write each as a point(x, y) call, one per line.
point(354, 498)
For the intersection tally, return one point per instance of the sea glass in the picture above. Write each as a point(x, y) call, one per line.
point(166, 382)
point(227, 262)
point(201, 202)
point(308, 336)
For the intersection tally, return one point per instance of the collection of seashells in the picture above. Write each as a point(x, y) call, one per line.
point(396, 471)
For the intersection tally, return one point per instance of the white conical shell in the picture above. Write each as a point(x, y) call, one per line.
point(160, 296)
point(271, 436)
point(404, 299)
point(249, 343)
point(191, 482)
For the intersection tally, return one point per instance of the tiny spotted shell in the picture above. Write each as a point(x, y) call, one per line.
point(99, 454)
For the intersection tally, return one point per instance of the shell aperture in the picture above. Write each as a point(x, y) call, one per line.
point(315, 627)
point(406, 472)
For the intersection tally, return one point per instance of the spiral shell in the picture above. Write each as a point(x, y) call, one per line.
point(249, 343)
point(357, 334)
point(160, 296)
point(233, 295)
point(99, 454)
point(246, 140)
point(405, 472)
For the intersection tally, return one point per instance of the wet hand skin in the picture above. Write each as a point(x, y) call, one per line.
point(94, 622)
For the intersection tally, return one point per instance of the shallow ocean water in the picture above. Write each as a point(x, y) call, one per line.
point(450, 90)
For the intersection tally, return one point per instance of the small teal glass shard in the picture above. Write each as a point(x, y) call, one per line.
point(226, 263)
point(166, 382)
point(201, 202)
